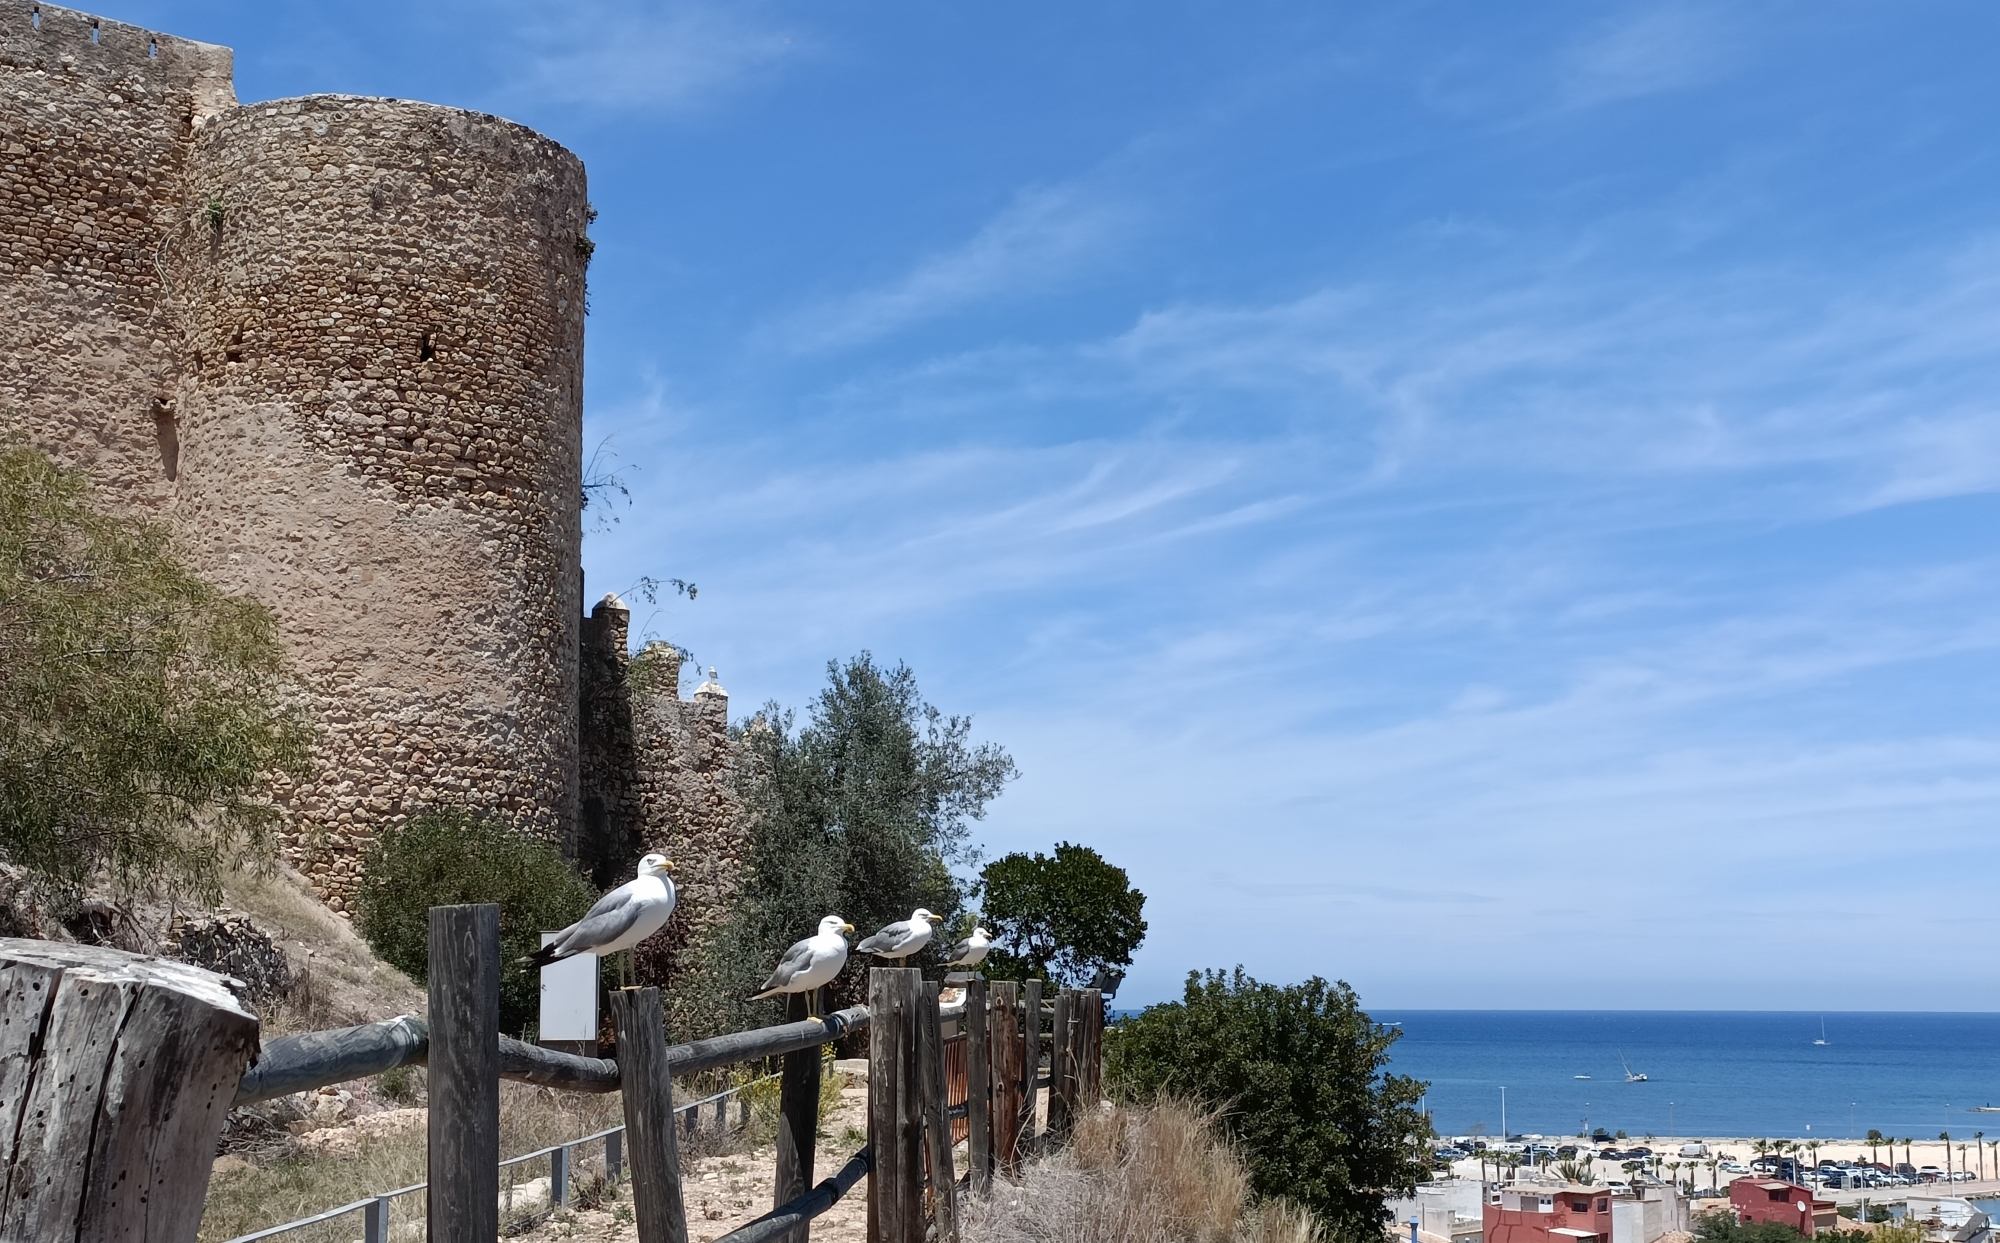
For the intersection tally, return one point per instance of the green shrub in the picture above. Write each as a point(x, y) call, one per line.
point(449, 856)
point(1297, 1073)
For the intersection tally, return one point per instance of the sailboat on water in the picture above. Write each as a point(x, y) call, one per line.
point(1822, 1030)
point(1631, 1076)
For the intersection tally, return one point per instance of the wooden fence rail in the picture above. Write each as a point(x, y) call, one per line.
point(924, 1082)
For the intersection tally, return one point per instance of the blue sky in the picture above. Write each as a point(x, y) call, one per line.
point(1493, 503)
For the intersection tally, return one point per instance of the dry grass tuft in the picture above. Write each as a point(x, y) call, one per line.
point(1154, 1175)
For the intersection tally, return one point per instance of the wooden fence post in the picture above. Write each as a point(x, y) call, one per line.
point(978, 1088)
point(462, 1204)
point(1031, 1062)
point(1062, 1080)
point(895, 1107)
point(798, 1117)
point(1090, 1045)
point(937, 1116)
point(1006, 1041)
point(100, 1139)
point(648, 1090)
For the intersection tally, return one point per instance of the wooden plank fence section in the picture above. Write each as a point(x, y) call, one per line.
point(1060, 1079)
point(937, 1117)
point(1006, 1038)
point(978, 1088)
point(895, 1107)
point(1031, 1063)
point(798, 1117)
point(649, 1115)
point(464, 1084)
point(112, 1084)
point(775, 1224)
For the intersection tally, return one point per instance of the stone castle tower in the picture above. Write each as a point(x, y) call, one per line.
point(337, 344)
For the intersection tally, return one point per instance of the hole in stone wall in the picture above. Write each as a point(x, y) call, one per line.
point(35, 17)
point(93, 32)
point(425, 350)
point(152, 47)
point(233, 352)
point(166, 428)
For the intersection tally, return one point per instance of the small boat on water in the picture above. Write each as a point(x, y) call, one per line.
point(1984, 1109)
point(1822, 1030)
point(1579, 1076)
point(1631, 1076)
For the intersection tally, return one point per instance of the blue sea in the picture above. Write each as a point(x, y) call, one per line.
point(1731, 1073)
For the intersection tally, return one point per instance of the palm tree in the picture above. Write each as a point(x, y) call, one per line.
point(1762, 1147)
point(1907, 1141)
point(1577, 1172)
point(1946, 1137)
point(1812, 1154)
point(1714, 1163)
point(1874, 1138)
point(1979, 1146)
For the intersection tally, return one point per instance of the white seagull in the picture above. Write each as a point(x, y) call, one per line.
point(971, 951)
point(621, 919)
point(902, 938)
point(811, 962)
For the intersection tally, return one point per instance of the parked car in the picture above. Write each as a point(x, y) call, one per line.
point(1601, 1136)
point(1640, 1152)
point(1733, 1167)
point(1566, 1153)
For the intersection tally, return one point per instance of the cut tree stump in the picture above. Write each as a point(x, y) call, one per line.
point(116, 1071)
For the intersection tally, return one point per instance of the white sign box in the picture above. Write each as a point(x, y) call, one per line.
point(569, 997)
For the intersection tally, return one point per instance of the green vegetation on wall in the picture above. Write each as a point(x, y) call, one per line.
point(142, 711)
point(447, 856)
point(1298, 1072)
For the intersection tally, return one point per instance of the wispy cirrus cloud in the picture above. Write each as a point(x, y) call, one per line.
point(1041, 239)
point(659, 57)
point(1647, 51)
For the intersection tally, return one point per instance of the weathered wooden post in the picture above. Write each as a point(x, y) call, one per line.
point(1031, 1062)
point(115, 1073)
point(1006, 1041)
point(798, 1116)
point(462, 1204)
point(1062, 1075)
point(895, 1107)
point(648, 1091)
point(937, 1116)
point(1090, 1046)
point(978, 1088)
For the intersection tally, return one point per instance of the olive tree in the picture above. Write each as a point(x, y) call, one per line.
point(142, 711)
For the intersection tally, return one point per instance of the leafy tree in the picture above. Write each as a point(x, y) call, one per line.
point(863, 812)
point(1060, 918)
point(1723, 1228)
point(447, 856)
point(1299, 1074)
point(141, 710)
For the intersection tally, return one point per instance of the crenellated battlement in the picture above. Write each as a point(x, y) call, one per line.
point(110, 54)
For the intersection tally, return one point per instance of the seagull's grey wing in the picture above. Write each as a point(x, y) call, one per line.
point(602, 927)
point(958, 950)
point(796, 959)
point(611, 901)
point(887, 939)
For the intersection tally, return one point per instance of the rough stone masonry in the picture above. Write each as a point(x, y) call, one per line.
point(337, 344)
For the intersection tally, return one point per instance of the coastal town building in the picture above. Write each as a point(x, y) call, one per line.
point(1950, 1219)
point(1758, 1199)
point(335, 345)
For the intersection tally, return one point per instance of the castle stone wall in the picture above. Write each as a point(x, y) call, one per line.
point(380, 436)
point(337, 343)
point(659, 773)
point(96, 122)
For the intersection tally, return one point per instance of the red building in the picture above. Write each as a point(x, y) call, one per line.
point(1768, 1199)
point(1530, 1214)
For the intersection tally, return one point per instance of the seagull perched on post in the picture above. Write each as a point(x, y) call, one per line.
point(810, 963)
point(971, 951)
point(902, 938)
point(621, 919)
